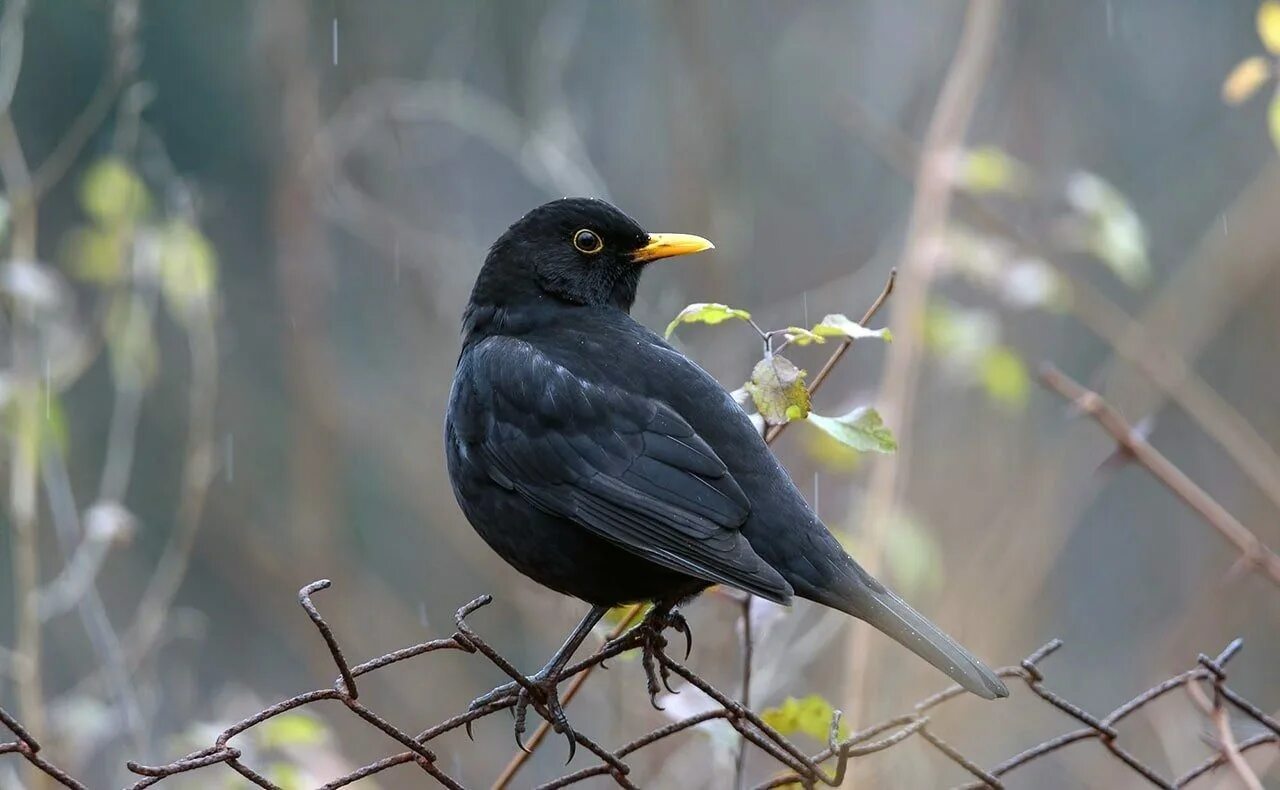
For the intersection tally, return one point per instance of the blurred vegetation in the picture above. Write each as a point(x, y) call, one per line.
point(236, 239)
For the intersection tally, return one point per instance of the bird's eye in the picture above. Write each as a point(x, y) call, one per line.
point(587, 241)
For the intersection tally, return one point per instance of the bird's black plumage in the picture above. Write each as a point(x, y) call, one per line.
point(604, 464)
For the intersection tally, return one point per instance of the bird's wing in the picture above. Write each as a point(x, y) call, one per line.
point(625, 466)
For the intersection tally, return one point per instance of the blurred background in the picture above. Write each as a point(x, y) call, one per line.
point(238, 238)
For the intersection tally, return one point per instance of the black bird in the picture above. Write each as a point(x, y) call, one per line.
point(606, 465)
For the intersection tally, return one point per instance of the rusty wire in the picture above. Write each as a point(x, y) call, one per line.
point(796, 766)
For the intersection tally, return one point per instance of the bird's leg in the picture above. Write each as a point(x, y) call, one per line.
point(543, 683)
point(649, 638)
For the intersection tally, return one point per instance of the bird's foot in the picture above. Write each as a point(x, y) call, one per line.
point(649, 637)
point(542, 694)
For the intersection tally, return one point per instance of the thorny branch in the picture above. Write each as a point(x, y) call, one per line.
point(826, 767)
point(1254, 554)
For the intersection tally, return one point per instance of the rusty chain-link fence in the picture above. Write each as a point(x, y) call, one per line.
point(1205, 681)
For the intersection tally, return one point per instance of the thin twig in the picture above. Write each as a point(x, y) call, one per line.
point(1253, 552)
point(748, 649)
point(775, 431)
point(1227, 746)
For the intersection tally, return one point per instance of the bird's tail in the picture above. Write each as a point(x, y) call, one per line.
point(869, 600)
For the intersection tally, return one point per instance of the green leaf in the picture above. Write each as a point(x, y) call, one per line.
point(135, 358)
point(777, 387)
point(1245, 79)
point(36, 425)
point(188, 269)
point(706, 313)
point(1108, 228)
point(1269, 25)
point(830, 453)
point(1273, 119)
point(837, 325)
point(960, 337)
point(290, 729)
point(1004, 376)
point(111, 193)
point(286, 776)
point(810, 715)
point(988, 169)
point(95, 254)
point(862, 429)
point(913, 556)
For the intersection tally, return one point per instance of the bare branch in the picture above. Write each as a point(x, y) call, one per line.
point(1254, 554)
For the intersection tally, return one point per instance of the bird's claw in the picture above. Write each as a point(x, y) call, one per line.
point(653, 644)
point(542, 694)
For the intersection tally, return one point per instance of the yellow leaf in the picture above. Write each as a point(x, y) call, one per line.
point(1245, 79)
point(810, 715)
point(1269, 25)
point(801, 336)
point(1273, 119)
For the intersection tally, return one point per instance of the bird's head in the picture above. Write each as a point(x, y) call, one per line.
point(579, 250)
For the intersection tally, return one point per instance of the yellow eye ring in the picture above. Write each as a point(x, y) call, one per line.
point(587, 241)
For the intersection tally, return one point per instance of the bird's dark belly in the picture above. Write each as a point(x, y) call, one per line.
point(558, 553)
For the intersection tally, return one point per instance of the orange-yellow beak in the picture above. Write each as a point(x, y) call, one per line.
point(669, 245)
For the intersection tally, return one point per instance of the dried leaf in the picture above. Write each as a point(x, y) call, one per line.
point(777, 387)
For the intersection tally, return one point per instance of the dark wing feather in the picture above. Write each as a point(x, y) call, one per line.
point(624, 466)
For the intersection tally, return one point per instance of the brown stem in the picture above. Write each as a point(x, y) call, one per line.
point(775, 431)
point(1253, 553)
point(930, 211)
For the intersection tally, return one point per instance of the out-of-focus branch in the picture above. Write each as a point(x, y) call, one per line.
point(123, 52)
point(1227, 745)
point(930, 210)
point(24, 459)
point(197, 476)
point(1253, 553)
point(64, 591)
point(1132, 342)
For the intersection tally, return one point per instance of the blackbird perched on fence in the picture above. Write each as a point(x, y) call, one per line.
point(603, 463)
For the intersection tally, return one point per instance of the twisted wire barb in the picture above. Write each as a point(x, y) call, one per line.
point(825, 767)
